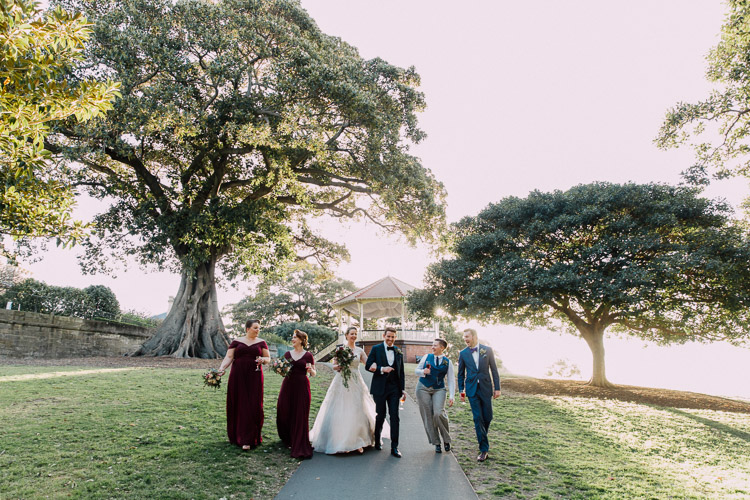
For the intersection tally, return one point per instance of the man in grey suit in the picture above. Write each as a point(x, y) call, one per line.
point(436, 384)
point(474, 366)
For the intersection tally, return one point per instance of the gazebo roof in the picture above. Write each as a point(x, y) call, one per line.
point(383, 298)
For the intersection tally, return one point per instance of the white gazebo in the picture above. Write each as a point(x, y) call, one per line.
point(386, 298)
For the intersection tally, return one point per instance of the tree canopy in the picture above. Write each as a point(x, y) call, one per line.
point(11, 275)
point(37, 49)
point(318, 336)
point(238, 121)
point(455, 340)
point(718, 127)
point(304, 294)
point(653, 261)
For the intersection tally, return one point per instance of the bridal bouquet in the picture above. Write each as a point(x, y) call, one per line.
point(212, 378)
point(344, 357)
point(281, 366)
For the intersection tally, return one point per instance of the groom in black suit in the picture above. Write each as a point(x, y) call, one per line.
point(387, 366)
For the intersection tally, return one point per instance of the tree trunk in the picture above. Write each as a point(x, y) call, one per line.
point(193, 327)
point(594, 337)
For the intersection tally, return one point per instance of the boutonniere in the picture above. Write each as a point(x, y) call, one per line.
point(396, 350)
point(483, 351)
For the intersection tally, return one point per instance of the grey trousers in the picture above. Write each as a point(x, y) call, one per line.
point(431, 404)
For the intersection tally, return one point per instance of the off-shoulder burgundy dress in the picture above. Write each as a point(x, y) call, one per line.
point(293, 410)
point(245, 395)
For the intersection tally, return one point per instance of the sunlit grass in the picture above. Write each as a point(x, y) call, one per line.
point(142, 433)
point(6, 370)
point(561, 447)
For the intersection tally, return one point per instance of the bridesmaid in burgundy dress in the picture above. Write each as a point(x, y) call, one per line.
point(245, 387)
point(293, 409)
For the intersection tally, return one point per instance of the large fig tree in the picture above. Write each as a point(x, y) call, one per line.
point(238, 120)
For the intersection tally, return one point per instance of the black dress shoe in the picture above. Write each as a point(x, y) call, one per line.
point(395, 452)
point(437, 449)
point(447, 447)
point(378, 446)
point(482, 456)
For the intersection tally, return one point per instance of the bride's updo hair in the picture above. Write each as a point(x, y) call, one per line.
point(348, 330)
point(302, 336)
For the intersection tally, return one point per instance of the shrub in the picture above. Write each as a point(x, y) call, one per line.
point(68, 301)
point(102, 301)
point(318, 336)
point(137, 318)
point(563, 368)
point(96, 301)
point(30, 295)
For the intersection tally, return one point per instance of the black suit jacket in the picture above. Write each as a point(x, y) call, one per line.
point(378, 357)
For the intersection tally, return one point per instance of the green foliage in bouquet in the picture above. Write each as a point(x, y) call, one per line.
point(281, 366)
point(344, 357)
point(212, 378)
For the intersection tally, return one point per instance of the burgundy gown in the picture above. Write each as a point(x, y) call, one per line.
point(293, 409)
point(245, 395)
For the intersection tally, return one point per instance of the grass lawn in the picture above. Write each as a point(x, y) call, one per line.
point(156, 432)
point(565, 447)
point(148, 432)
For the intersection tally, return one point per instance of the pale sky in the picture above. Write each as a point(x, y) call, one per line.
point(520, 96)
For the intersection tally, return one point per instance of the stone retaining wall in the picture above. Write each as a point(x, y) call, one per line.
point(33, 335)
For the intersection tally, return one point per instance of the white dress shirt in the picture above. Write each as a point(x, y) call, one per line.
point(389, 355)
point(450, 378)
point(475, 355)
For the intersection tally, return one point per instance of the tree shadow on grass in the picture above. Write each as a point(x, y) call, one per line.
point(711, 423)
point(642, 395)
point(541, 450)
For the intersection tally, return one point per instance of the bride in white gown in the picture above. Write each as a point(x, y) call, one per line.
point(346, 419)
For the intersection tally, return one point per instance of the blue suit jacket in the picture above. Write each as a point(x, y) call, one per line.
point(477, 378)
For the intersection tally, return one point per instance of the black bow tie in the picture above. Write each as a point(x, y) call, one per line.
point(390, 348)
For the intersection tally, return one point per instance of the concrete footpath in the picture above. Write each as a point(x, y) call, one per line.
point(377, 474)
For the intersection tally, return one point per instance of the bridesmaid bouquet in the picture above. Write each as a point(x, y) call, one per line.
point(281, 366)
point(344, 357)
point(212, 378)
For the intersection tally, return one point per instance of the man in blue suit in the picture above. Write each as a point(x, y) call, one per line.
point(474, 366)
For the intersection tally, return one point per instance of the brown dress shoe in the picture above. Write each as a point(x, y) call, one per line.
point(482, 456)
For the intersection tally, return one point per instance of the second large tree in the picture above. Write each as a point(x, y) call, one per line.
point(237, 120)
point(654, 261)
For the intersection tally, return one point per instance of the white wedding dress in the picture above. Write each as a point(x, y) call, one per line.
point(346, 419)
